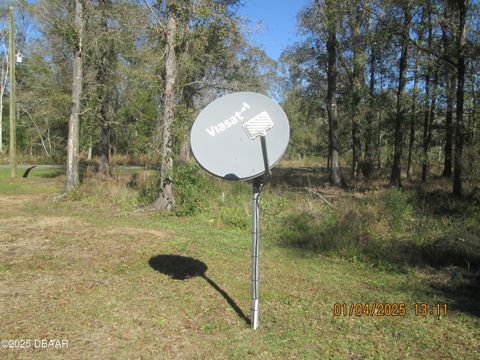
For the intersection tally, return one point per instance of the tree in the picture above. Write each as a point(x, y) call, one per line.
point(413, 118)
point(4, 69)
point(449, 76)
point(369, 155)
point(165, 200)
point(426, 121)
point(460, 8)
point(13, 104)
point(396, 175)
point(205, 55)
point(331, 100)
point(312, 67)
point(356, 18)
point(450, 87)
point(105, 71)
point(72, 174)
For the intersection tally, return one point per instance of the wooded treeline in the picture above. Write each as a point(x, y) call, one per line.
point(387, 84)
point(372, 85)
point(129, 75)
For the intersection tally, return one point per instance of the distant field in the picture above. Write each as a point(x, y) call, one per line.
point(39, 181)
point(102, 273)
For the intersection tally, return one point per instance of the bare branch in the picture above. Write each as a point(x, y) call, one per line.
point(154, 15)
point(316, 193)
point(38, 129)
point(29, 7)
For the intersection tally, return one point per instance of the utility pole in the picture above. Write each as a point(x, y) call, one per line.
point(11, 153)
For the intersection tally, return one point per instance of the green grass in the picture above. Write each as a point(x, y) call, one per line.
point(37, 182)
point(80, 270)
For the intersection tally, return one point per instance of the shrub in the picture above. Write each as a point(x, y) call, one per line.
point(235, 217)
point(101, 192)
point(148, 190)
point(190, 185)
point(192, 189)
point(397, 209)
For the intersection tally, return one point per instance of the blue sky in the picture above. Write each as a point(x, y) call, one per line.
point(279, 20)
point(270, 24)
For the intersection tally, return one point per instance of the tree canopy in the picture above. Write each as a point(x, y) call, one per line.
point(369, 85)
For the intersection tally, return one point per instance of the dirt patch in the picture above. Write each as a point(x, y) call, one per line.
point(28, 235)
point(136, 231)
point(8, 201)
point(54, 221)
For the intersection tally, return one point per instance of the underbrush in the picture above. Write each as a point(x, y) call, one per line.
point(393, 229)
point(93, 264)
point(111, 192)
point(191, 187)
point(195, 193)
point(40, 159)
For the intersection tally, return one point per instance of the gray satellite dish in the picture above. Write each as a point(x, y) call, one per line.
point(238, 137)
point(225, 137)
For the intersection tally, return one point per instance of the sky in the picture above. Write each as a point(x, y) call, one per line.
point(279, 23)
point(270, 24)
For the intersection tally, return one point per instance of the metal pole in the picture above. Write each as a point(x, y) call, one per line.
point(255, 252)
point(13, 162)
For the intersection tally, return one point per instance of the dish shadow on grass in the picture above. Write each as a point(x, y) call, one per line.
point(182, 268)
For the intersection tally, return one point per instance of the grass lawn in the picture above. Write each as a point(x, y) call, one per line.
point(105, 278)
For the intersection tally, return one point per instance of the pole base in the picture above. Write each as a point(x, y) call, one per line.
point(254, 316)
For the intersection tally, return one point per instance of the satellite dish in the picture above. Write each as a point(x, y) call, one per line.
point(226, 136)
point(237, 137)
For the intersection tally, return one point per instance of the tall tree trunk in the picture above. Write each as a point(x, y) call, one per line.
point(469, 138)
point(188, 94)
point(378, 153)
point(357, 86)
point(336, 178)
point(426, 120)
point(3, 83)
point(413, 119)
point(72, 176)
point(428, 128)
point(165, 200)
point(475, 109)
point(396, 174)
point(89, 152)
point(447, 166)
point(368, 167)
point(104, 79)
point(461, 7)
point(447, 39)
point(104, 163)
point(12, 101)
point(379, 137)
